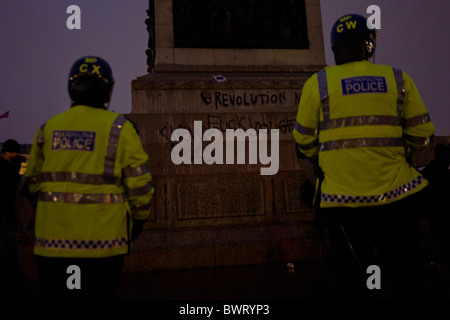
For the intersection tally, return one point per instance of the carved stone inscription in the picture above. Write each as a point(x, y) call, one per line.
point(265, 24)
point(223, 196)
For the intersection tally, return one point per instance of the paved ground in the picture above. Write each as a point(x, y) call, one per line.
point(251, 282)
point(275, 289)
point(275, 282)
point(272, 282)
point(258, 282)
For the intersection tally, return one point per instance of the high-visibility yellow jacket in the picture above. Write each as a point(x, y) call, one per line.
point(89, 171)
point(361, 120)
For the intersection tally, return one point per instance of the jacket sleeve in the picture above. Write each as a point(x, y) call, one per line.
point(35, 161)
point(307, 122)
point(136, 177)
point(418, 130)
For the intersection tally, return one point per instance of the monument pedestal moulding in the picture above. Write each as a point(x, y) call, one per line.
point(226, 65)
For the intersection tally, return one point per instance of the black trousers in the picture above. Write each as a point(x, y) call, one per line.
point(99, 278)
point(386, 236)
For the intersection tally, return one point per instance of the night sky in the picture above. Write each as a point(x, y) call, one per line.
point(37, 51)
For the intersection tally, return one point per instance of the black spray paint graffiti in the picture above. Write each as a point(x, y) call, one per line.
point(220, 99)
point(285, 125)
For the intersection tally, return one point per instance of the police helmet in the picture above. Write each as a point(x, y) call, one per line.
point(91, 81)
point(354, 27)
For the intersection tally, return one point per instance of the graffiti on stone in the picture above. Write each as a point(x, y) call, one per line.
point(285, 124)
point(224, 99)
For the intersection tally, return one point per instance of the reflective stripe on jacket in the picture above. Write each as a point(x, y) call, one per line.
point(89, 171)
point(357, 118)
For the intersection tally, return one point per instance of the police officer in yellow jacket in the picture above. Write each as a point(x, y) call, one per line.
point(360, 122)
point(88, 171)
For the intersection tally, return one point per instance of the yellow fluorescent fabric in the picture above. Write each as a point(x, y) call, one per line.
point(89, 171)
point(361, 142)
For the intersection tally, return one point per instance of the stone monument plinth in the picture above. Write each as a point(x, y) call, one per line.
point(237, 200)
